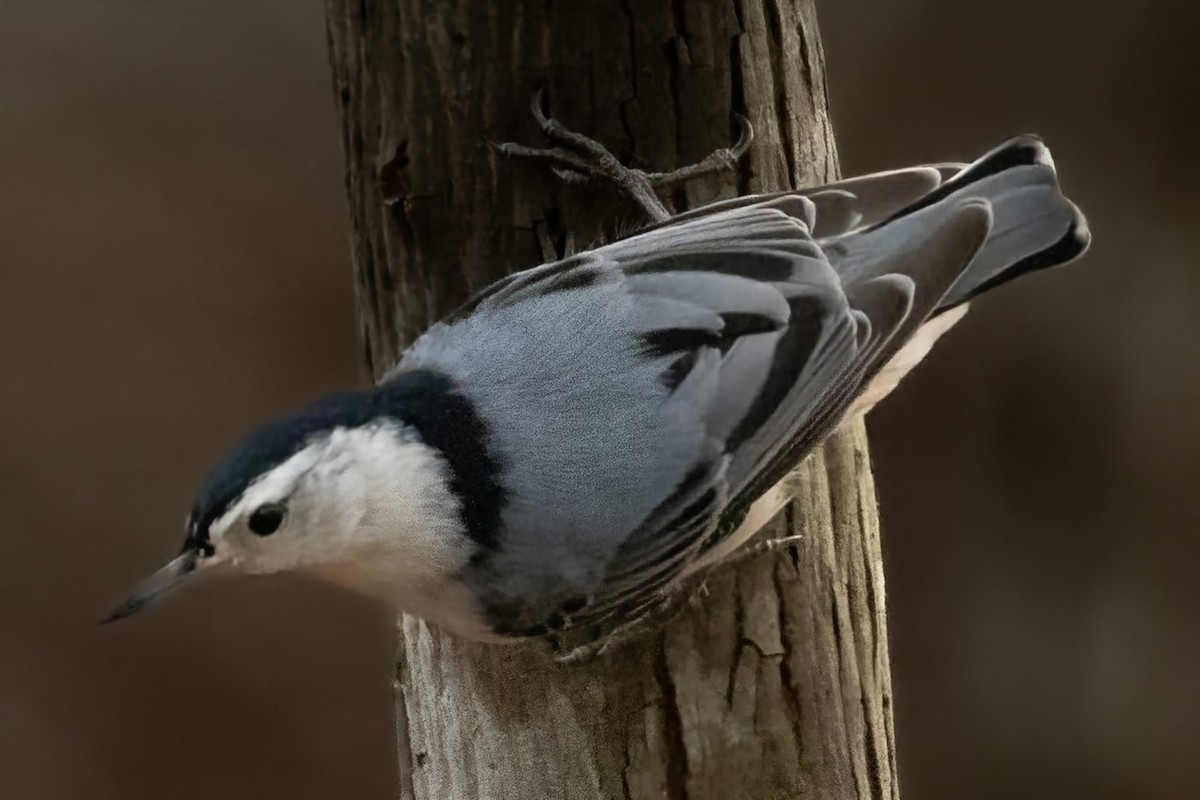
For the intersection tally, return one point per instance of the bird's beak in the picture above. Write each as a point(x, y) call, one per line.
point(170, 576)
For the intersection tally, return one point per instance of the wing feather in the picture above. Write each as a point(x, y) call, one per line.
point(751, 332)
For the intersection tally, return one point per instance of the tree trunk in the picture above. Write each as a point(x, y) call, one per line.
point(777, 684)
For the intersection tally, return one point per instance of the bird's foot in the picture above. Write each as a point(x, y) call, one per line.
point(655, 614)
point(578, 159)
point(650, 617)
point(621, 635)
point(761, 548)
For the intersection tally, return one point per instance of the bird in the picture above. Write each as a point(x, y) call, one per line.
point(578, 439)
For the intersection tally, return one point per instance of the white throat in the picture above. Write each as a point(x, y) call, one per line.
point(396, 522)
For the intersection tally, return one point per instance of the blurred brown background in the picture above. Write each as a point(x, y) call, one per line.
point(174, 268)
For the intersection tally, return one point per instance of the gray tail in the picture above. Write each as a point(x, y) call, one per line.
point(1034, 226)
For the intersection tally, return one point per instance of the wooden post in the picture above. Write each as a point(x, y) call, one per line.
point(777, 684)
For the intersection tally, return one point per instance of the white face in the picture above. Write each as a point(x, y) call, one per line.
point(273, 526)
point(367, 508)
point(351, 505)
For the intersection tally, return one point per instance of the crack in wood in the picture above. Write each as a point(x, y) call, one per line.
point(672, 728)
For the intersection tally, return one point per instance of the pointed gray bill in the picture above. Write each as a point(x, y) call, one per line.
point(166, 578)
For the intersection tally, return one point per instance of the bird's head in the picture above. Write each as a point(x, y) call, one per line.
point(342, 490)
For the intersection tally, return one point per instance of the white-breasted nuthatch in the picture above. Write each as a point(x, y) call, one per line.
point(579, 437)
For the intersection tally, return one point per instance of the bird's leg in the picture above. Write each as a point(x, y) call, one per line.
point(620, 635)
point(577, 159)
point(624, 633)
point(658, 613)
point(650, 616)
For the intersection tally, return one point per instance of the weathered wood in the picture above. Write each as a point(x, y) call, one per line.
point(777, 683)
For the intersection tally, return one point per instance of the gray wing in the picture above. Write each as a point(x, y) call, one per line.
point(670, 374)
point(781, 392)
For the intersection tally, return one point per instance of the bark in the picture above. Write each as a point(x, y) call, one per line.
point(777, 683)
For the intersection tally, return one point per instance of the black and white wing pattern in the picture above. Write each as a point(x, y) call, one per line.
point(757, 320)
point(785, 379)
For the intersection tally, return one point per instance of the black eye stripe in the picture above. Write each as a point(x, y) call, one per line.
point(267, 518)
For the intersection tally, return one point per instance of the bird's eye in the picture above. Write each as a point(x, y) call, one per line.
point(266, 519)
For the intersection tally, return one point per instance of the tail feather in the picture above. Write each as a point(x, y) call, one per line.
point(998, 263)
point(1034, 226)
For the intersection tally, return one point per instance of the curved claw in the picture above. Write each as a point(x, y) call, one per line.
point(745, 137)
point(536, 108)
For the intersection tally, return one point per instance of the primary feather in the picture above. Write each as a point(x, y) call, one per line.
point(640, 397)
